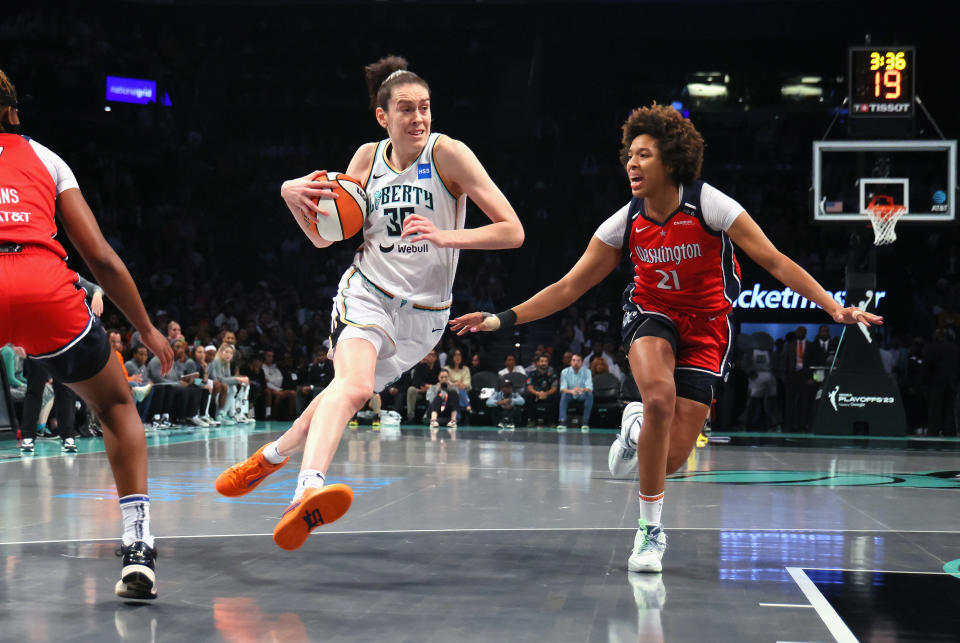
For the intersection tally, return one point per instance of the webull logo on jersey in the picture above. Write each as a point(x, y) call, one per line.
point(839, 399)
point(669, 254)
point(405, 194)
point(412, 248)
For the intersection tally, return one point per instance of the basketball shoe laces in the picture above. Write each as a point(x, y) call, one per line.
point(654, 538)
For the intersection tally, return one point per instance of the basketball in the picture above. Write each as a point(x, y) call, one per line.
point(346, 212)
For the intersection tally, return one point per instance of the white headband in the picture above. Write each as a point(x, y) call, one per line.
point(391, 76)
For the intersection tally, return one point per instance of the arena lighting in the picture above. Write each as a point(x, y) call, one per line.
point(131, 90)
point(801, 87)
point(787, 299)
point(708, 85)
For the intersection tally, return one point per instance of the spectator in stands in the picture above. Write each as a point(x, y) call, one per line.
point(477, 363)
point(187, 372)
point(511, 366)
point(541, 393)
point(798, 382)
point(173, 332)
point(318, 377)
point(231, 401)
point(12, 356)
point(276, 396)
point(823, 347)
point(212, 389)
point(576, 383)
point(508, 405)
point(136, 366)
point(460, 378)
point(538, 351)
point(598, 365)
point(445, 405)
point(423, 374)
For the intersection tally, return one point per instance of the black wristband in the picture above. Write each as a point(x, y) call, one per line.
point(507, 318)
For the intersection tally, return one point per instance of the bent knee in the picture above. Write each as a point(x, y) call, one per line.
point(357, 393)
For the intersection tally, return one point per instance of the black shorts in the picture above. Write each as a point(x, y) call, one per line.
point(696, 385)
point(82, 360)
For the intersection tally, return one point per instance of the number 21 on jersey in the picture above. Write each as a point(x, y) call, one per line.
point(669, 280)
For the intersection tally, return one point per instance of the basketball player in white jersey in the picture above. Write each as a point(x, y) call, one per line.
point(393, 302)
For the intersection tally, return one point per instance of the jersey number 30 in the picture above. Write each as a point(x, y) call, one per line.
point(395, 224)
point(667, 278)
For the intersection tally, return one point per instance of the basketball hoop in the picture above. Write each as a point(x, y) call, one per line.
point(884, 215)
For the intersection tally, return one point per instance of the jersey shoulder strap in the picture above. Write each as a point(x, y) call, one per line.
point(690, 204)
point(636, 207)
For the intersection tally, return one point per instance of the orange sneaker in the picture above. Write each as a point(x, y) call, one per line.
point(242, 478)
point(316, 507)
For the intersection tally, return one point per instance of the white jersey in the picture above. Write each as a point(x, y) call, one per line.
point(417, 272)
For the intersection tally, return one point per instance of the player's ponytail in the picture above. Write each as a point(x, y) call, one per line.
point(384, 74)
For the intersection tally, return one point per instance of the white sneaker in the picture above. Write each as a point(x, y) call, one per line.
point(648, 547)
point(26, 445)
point(141, 392)
point(68, 445)
point(622, 457)
point(196, 420)
point(209, 420)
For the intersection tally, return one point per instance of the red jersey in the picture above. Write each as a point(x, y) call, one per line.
point(681, 264)
point(27, 196)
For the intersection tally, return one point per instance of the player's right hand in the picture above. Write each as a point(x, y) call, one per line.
point(299, 194)
point(474, 323)
point(157, 344)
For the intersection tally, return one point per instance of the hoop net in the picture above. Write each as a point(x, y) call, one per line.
point(884, 219)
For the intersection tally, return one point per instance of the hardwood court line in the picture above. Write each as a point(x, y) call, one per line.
point(360, 532)
point(825, 611)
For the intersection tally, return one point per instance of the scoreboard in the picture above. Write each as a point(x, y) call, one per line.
point(882, 81)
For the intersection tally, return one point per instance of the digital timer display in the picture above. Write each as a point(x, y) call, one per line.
point(882, 81)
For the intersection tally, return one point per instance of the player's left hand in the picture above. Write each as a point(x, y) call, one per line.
point(474, 322)
point(96, 303)
point(417, 228)
point(854, 315)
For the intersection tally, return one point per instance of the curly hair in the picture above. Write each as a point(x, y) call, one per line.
point(381, 79)
point(681, 146)
point(8, 93)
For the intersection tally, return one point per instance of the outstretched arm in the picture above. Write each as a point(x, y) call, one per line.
point(747, 235)
point(82, 229)
point(597, 262)
point(462, 172)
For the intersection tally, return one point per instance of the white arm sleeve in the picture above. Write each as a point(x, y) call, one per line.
point(60, 172)
point(719, 210)
point(611, 231)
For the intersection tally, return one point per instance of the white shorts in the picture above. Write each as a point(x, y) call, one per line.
point(402, 332)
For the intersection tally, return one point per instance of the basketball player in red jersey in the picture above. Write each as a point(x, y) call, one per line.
point(42, 310)
point(679, 232)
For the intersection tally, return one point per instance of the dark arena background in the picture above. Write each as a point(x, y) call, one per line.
point(821, 501)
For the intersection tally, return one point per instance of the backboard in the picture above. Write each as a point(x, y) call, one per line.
point(850, 175)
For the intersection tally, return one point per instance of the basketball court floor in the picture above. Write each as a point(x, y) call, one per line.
point(494, 537)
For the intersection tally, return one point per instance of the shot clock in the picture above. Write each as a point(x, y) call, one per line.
point(882, 81)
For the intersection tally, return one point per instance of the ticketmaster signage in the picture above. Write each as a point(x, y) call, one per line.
point(786, 299)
